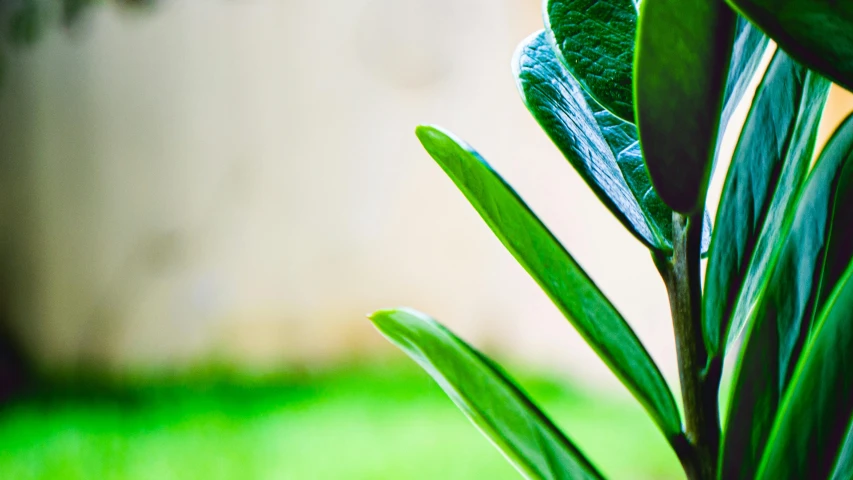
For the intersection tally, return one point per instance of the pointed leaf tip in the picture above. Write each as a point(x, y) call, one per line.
point(488, 397)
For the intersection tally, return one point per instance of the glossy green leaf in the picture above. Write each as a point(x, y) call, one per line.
point(779, 323)
point(747, 51)
point(839, 245)
point(798, 156)
point(601, 147)
point(785, 112)
point(592, 140)
point(559, 275)
point(809, 431)
point(491, 400)
point(818, 33)
point(681, 63)
point(595, 41)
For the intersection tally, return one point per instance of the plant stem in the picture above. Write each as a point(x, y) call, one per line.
point(700, 377)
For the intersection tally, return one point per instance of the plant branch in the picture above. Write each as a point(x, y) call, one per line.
point(700, 378)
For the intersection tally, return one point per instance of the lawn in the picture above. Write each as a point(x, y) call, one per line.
point(365, 422)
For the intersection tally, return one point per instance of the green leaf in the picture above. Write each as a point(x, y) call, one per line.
point(815, 32)
point(557, 273)
point(798, 156)
point(747, 51)
point(592, 140)
point(780, 321)
point(594, 39)
point(492, 401)
point(681, 61)
point(601, 147)
point(843, 469)
point(839, 246)
point(785, 113)
point(809, 431)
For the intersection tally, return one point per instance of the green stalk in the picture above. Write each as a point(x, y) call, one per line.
point(700, 377)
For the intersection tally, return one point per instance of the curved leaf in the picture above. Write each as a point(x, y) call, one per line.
point(839, 245)
point(601, 147)
point(794, 170)
point(843, 468)
point(815, 32)
point(559, 275)
point(681, 60)
point(747, 51)
point(591, 140)
point(780, 321)
point(785, 113)
point(595, 41)
point(492, 401)
point(810, 428)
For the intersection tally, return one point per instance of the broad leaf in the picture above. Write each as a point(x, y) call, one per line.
point(809, 431)
point(592, 140)
point(788, 101)
point(681, 63)
point(595, 41)
point(798, 156)
point(602, 147)
point(780, 321)
point(492, 401)
point(818, 33)
point(559, 275)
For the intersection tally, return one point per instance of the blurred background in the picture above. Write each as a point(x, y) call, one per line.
point(200, 201)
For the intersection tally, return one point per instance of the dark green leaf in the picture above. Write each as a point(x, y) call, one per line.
point(788, 101)
point(779, 323)
point(809, 431)
point(602, 147)
point(491, 400)
point(818, 33)
point(839, 245)
point(843, 469)
point(595, 41)
point(799, 154)
point(565, 282)
point(592, 140)
point(681, 63)
point(749, 47)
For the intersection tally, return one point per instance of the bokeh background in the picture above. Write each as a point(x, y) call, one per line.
point(200, 200)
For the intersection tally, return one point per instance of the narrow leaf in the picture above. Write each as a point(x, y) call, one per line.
point(810, 428)
point(795, 167)
point(595, 41)
point(789, 99)
point(818, 33)
point(843, 469)
point(747, 51)
point(491, 400)
point(559, 275)
point(780, 321)
point(839, 245)
point(681, 64)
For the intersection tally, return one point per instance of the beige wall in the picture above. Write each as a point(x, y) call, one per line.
point(239, 181)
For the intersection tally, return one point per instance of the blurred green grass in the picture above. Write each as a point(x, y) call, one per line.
point(364, 422)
